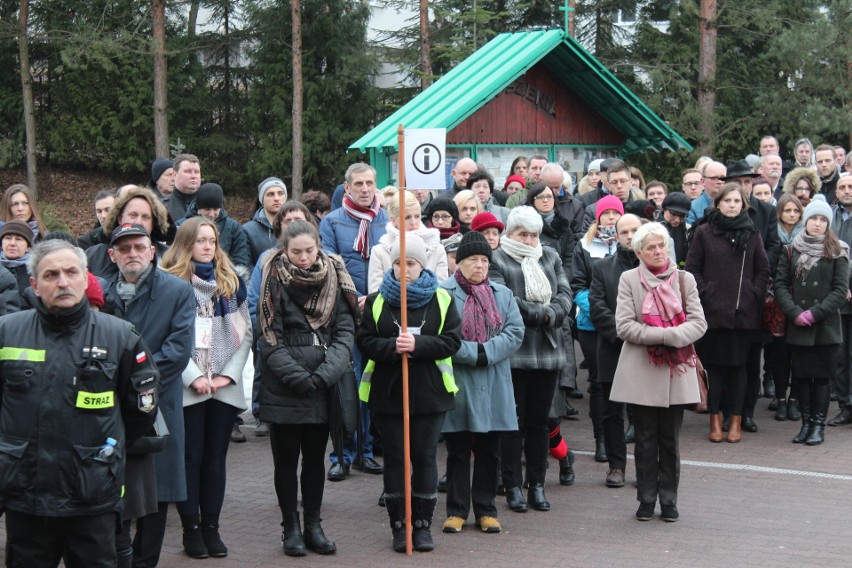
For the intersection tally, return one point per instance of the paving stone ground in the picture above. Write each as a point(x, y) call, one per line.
point(762, 502)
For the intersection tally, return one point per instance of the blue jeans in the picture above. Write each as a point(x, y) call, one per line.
point(350, 452)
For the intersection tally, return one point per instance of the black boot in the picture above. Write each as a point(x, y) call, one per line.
point(315, 538)
point(793, 410)
point(600, 450)
point(292, 539)
point(781, 410)
point(804, 388)
point(630, 435)
point(819, 404)
point(566, 469)
point(395, 505)
point(210, 531)
point(768, 388)
point(193, 540)
point(422, 509)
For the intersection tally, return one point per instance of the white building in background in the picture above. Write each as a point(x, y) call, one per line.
point(384, 19)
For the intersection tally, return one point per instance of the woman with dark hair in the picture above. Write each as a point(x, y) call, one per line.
point(811, 284)
point(482, 184)
point(804, 183)
point(535, 275)
point(307, 316)
point(317, 203)
point(443, 214)
point(430, 342)
point(19, 203)
point(727, 259)
point(790, 212)
point(556, 229)
point(519, 166)
point(213, 394)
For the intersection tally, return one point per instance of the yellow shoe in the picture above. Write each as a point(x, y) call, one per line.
point(488, 524)
point(453, 524)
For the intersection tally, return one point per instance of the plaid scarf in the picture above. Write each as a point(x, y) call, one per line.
point(230, 318)
point(318, 286)
point(481, 319)
point(662, 307)
point(365, 215)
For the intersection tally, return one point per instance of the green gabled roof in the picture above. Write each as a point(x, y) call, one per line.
point(493, 67)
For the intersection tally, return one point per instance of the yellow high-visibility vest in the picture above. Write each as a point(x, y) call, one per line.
point(445, 366)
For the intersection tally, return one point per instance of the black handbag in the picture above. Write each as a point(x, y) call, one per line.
point(343, 407)
point(154, 441)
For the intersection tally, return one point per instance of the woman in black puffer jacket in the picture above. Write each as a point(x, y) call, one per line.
point(306, 314)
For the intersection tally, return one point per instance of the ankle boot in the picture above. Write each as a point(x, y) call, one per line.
point(804, 388)
point(193, 540)
point(422, 509)
point(793, 410)
point(291, 538)
point(210, 532)
point(600, 450)
point(315, 538)
point(735, 429)
point(715, 428)
point(820, 402)
point(395, 506)
point(781, 410)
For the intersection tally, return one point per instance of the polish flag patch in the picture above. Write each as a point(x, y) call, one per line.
point(141, 357)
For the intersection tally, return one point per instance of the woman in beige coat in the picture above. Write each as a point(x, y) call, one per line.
point(380, 255)
point(659, 317)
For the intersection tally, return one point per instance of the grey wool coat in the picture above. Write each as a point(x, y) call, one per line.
point(637, 380)
point(486, 400)
point(543, 343)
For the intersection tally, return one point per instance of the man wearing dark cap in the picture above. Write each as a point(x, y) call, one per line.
point(765, 220)
point(162, 308)
point(162, 177)
point(675, 209)
point(209, 203)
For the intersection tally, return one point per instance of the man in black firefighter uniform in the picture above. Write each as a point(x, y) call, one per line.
point(75, 387)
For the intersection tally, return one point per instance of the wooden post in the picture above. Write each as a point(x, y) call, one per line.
point(403, 328)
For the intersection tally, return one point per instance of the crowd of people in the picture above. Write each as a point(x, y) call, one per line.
point(746, 262)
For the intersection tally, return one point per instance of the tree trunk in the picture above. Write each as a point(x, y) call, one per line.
point(193, 18)
point(27, 91)
point(161, 119)
point(298, 94)
point(707, 78)
point(425, 47)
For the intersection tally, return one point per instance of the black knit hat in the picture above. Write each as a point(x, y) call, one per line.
point(473, 243)
point(209, 196)
point(159, 167)
point(443, 204)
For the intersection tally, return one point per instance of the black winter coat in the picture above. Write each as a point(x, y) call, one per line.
point(558, 235)
point(302, 354)
point(603, 296)
point(377, 341)
point(731, 284)
point(765, 220)
point(232, 238)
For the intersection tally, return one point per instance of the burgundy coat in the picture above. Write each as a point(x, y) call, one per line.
point(731, 284)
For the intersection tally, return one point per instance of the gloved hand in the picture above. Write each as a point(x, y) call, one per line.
point(804, 319)
point(302, 385)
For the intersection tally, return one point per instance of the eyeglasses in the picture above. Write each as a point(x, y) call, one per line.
point(437, 217)
point(693, 183)
point(543, 197)
point(125, 249)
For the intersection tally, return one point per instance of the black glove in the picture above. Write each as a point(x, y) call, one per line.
point(302, 385)
point(481, 357)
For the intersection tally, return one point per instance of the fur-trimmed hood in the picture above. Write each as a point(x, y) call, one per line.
point(801, 173)
point(161, 215)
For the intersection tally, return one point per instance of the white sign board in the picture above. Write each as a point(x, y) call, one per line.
point(425, 154)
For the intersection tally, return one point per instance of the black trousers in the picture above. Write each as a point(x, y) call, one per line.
point(657, 453)
point(148, 542)
point(208, 436)
point(41, 542)
point(425, 430)
point(613, 430)
point(752, 380)
point(460, 491)
point(597, 403)
point(288, 442)
point(533, 396)
point(777, 355)
point(841, 381)
point(721, 377)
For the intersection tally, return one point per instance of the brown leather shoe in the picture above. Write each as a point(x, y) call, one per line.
point(735, 433)
point(715, 428)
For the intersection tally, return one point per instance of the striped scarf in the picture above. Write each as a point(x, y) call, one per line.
point(365, 215)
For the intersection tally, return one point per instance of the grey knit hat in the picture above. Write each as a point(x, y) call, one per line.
point(817, 206)
point(268, 183)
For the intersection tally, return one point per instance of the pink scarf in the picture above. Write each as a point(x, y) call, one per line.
point(481, 319)
point(365, 215)
point(662, 307)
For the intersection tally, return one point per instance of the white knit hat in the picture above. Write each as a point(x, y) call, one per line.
point(414, 248)
point(817, 206)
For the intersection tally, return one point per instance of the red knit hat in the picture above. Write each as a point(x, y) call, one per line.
point(517, 178)
point(486, 220)
point(94, 292)
point(607, 203)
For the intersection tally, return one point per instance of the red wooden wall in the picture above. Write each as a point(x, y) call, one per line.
point(536, 109)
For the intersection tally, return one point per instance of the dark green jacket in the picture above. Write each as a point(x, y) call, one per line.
point(822, 291)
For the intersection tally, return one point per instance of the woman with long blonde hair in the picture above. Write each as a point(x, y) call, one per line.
point(213, 394)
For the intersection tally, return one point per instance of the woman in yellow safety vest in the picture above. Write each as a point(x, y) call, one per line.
point(433, 337)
